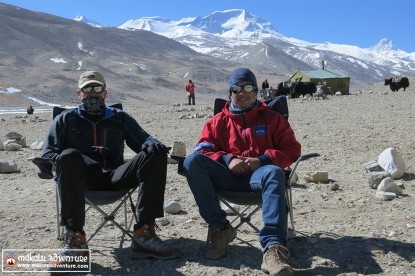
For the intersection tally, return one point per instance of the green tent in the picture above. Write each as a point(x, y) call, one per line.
point(336, 80)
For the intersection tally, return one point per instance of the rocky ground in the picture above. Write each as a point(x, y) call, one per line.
point(347, 231)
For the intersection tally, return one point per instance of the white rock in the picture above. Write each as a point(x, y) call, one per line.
point(385, 195)
point(391, 161)
point(388, 185)
point(228, 210)
point(392, 234)
point(173, 207)
point(36, 145)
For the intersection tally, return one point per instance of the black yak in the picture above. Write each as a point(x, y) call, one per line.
point(397, 83)
point(300, 88)
point(30, 110)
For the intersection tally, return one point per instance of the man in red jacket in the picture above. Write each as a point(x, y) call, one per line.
point(190, 88)
point(244, 147)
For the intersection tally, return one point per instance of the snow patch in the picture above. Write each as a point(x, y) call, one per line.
point(58, 60)
point(10, 90)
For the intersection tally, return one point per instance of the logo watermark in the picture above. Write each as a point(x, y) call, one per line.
point(46, 260)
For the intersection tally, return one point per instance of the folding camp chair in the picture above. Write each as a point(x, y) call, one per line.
point(94, 199)
point(253, 200)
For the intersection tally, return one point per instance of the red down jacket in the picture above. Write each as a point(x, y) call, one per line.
point(261, 131)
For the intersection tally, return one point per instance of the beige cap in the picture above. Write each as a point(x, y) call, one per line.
point(91, 77)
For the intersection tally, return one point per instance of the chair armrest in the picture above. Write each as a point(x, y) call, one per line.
point(309, 155)
point(45, 167)
point(303, 157)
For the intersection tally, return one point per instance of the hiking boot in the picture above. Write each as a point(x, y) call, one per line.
point(74, 252)
point(275, 261)
point(147, 244)
point(218, 240)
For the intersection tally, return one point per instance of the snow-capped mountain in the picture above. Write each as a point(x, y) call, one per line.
point(239, 36)
point(81, 18)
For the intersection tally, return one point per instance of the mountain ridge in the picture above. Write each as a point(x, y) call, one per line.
point(230, 27)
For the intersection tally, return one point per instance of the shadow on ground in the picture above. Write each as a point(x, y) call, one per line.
point(332, 255)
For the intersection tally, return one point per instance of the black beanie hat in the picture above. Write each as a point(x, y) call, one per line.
point(242, 74)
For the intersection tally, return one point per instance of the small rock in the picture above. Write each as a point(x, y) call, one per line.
point(334, 187)
point(228, 210)
point(173, 207)
point(163, 221)
point(14, 136)
point(317, 176)
point(12, 147)
point(8, 167)
point(385, 195)
point(388, 185)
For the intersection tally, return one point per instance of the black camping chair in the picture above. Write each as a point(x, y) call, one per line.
point(253, 200)
point(94, 200)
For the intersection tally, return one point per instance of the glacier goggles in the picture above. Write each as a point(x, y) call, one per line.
point(248, 88)
point(88, 89)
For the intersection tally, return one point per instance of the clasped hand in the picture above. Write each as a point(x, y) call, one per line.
point(244, 165)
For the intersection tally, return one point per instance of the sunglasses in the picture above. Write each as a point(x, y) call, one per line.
point(88, 89)
point(248, 88)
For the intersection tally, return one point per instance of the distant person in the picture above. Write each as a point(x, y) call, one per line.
point(30, 110)
point(244, 148)
point(265, 84)
point(86, 144)
point(190, 88)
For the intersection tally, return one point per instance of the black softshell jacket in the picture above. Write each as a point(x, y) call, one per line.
point(102, 141)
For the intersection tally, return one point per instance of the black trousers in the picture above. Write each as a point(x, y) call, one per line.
point(191, 99)
point(77, 173)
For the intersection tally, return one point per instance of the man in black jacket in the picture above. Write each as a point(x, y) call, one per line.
point(87, 145)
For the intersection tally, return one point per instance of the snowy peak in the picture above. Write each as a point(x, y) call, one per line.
point(384, 45)
point(238, 22)
point(153, 24)
point(81, 18)
point(229, 23)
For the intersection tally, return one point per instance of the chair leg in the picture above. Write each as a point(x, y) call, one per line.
point(59, 229)
point(108, 217)
point(243, 218)
point(246, 218)
point(288, 195)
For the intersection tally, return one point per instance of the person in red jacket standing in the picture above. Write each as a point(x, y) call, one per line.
point(190, 88)
point(244, 147)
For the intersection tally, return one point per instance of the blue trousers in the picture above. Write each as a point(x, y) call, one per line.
point(204, 175)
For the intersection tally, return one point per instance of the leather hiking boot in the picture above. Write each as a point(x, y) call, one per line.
point(275, 261)
point(218, 240)
point(75, 252)
point(147, 244)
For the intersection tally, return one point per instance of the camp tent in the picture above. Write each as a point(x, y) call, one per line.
point(336, 80)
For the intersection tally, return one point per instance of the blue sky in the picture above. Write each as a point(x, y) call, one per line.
point(354, 22)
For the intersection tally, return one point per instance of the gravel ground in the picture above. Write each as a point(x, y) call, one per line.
point(344, 231)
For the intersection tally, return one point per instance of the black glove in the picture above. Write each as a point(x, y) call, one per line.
point(153, 146)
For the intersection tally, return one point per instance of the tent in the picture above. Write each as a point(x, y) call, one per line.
point(336, 80)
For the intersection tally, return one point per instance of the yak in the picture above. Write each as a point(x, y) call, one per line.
point(302, 88)
point(283, 90)
point(397, 83)
point(30, 110)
